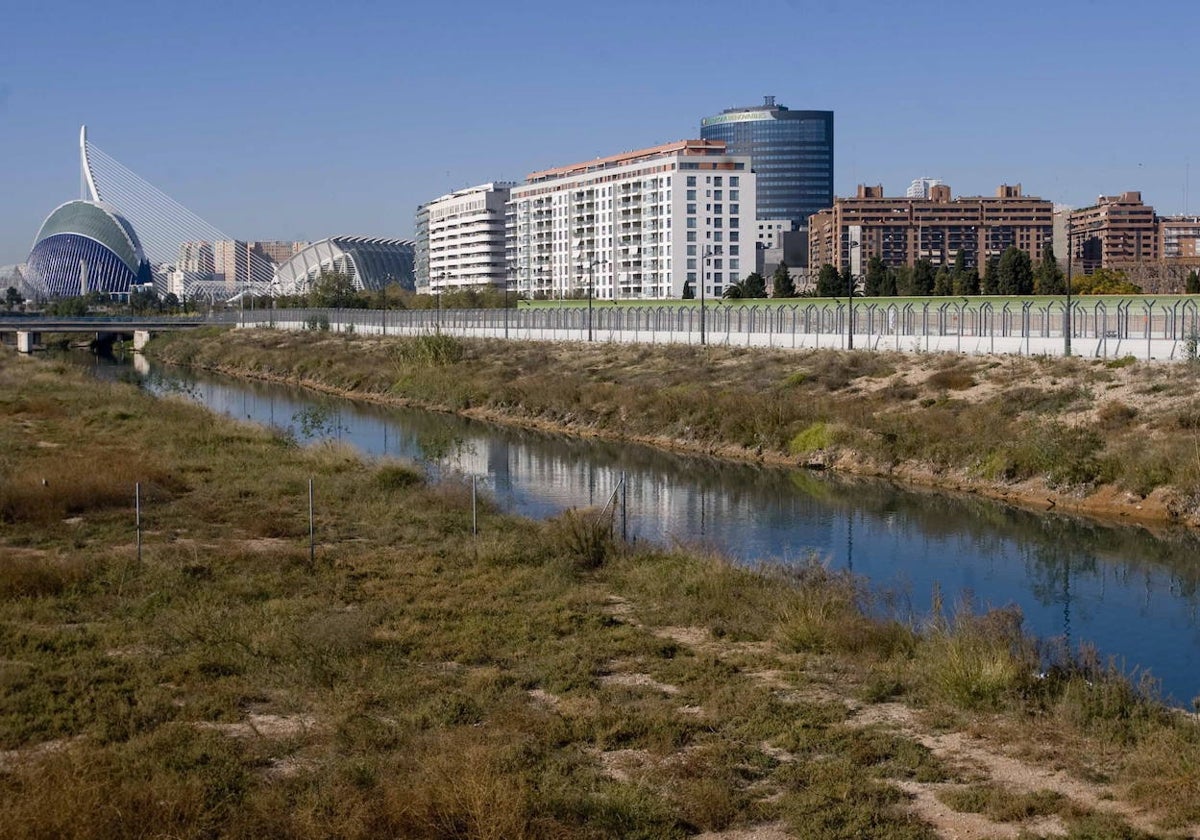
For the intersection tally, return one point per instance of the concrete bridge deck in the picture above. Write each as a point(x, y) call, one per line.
point(29, 328)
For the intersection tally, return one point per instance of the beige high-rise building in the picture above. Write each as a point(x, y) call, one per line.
point(229, 262)
point(195, 257)
point(1179, 240)
point(236, 261)
point(277, 251)
point(902, 230)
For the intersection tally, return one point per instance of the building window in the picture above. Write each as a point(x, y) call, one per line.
point(733, 236)
point(735, 264)
point(691, 249)
point(691, 180)
point(735, 209)
point(691, 208)
point(691, 236)
point(691, 195)
point(733, 180)
point(691, 222)
point(734, 195)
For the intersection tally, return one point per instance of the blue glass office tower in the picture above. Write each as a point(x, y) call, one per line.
point(791, 152)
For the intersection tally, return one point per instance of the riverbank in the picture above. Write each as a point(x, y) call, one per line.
point(1114, 439)
point(537, 680)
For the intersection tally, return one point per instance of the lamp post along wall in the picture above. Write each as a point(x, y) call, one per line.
point(1067, 321)
point(854, 246)
point(591, 262)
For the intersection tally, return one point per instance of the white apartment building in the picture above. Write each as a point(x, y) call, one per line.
point(635, 225)
point(920, 187)
point(460, 239)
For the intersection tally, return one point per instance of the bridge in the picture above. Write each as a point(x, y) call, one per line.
point(29, 328)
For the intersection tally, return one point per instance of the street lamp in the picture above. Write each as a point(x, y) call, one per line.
point(704, 260)
point(1070, 255)
point(854, 245)
point(438, 296)
point(508, 280)
point(592, 262)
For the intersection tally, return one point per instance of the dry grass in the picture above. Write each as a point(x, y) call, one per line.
point(133, 696)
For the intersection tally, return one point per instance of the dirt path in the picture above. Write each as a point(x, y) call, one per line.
point(973, 760)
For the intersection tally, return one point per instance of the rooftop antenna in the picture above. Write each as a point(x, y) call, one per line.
point(769, 101)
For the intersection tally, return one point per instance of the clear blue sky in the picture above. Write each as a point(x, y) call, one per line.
point(302, 120)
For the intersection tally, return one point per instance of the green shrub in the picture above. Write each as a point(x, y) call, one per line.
point(1062, 454)
point(814, 437)
point(978, 662)
point(582, 539)
point(430, 349)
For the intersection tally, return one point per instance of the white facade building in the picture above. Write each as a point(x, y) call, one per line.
point(460, 239)
point(920, 187)
point(635, 225)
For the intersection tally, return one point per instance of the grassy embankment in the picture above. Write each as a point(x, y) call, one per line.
point(1115, 437)
point(537, 680)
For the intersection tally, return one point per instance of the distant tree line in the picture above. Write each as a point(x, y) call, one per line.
point(1012, 273)
point(336, 290)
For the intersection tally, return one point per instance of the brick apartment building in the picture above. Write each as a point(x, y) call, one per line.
point(902, 230)
point(1118, 231)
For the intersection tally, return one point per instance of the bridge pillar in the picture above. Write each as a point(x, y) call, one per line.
point(141, 338)
point(26, 341)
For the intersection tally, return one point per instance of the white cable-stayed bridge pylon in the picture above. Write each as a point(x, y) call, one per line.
point(162, 223)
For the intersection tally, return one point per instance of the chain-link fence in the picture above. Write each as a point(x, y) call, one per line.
point(1146, 328)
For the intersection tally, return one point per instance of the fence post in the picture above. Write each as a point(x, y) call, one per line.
point(137, 514)
point(624, 507)
point(474, 509)
point(312, 551)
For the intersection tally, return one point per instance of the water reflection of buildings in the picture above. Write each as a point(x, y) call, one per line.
point(1120, 588)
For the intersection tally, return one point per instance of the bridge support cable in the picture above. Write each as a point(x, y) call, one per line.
point(161, 222)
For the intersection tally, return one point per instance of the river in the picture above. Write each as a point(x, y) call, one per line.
point(1130, 593)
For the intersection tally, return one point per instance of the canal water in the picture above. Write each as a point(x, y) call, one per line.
point(1131, 594)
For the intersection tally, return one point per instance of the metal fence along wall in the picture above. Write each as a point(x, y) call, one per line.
point(1144, 328)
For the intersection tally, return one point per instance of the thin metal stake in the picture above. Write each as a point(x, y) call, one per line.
point(624, 507)
point(137, 507)
point(474, 510)
point(312, 551)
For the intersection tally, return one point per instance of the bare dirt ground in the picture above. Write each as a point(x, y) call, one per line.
point(973, 757)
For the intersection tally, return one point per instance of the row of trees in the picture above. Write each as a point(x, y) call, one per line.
point(1012, 273)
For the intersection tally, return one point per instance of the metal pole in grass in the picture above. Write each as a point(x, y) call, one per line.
point(474, 510)
point(312, 551)
point(137, 514)
point(624, 508)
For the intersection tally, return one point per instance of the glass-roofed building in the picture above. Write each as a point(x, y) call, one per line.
point(85, 247)
point(370, 263)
